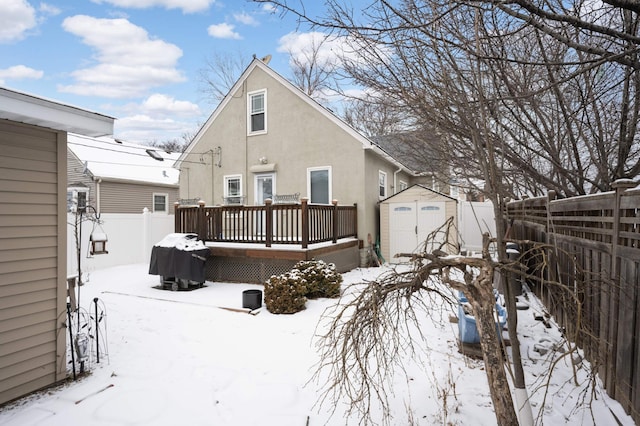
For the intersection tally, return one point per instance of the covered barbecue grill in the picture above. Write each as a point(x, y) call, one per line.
point(180, 261)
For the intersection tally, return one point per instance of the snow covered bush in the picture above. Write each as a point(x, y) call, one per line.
point(285, 294)
point(322, 278)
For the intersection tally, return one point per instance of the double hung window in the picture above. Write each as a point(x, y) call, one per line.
point(257, 114)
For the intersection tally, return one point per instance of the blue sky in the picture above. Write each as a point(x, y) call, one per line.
point(137, 60)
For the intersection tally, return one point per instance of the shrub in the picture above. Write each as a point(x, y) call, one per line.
point(321, 278)
point(285, 294)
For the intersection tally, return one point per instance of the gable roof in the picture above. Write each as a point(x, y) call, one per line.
point(29, 109)
point(257, 63)
point(109, 159)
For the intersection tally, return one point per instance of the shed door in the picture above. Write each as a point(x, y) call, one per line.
point(411, 223)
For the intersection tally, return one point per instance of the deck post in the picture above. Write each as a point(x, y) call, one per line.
point(269, 222)
point(201, 222)
point(335, 221)
point(177, 219)
point(304, 211)
point(355, 220)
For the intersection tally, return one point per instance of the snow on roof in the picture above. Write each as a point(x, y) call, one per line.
point(109, 159)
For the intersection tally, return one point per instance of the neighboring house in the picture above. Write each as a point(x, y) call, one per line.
point(120, 177)
point(33, 243)
point(268, 138)
point(421, 152)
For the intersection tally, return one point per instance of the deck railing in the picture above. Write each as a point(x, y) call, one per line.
point(269, 224)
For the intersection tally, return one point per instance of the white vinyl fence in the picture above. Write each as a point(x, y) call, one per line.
point(130, 238)
point(474, 219)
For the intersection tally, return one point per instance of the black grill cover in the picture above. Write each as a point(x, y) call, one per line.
point(184, 264)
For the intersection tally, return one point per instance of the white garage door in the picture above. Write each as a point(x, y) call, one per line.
point(410, 224)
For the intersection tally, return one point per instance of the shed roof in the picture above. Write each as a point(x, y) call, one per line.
point(110, 159)
point(420, 187)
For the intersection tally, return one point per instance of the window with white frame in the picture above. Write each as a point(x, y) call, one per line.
point(160, 203)
point(403, 185)
point(382, 184)
point(257, 112)
point(319, 184)
point(435, 185)
point(233, 189)
point(77, 198)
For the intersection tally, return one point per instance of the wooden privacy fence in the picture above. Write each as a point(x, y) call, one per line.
point(594, 253)
point(301, 223)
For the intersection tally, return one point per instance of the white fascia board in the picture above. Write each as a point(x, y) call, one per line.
point(28, 109)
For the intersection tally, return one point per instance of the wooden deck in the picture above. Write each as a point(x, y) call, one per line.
point(252, 243)
point(300, 224)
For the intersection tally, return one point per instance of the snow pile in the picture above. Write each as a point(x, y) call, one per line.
point(184, 242)
point(185, 358)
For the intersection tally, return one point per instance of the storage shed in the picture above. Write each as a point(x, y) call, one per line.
point(408, 217)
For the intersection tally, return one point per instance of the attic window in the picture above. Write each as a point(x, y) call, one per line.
point(257, 112)
point(153, 154)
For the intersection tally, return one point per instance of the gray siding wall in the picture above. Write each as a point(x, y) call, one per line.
point(122, 197)
point(32, 258)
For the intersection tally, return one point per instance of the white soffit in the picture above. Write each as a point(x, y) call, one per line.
point(29, 109)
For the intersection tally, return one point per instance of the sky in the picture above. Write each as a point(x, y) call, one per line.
point(169, 358)
point(139, 61)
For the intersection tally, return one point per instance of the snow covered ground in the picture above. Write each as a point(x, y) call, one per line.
point(176, 358)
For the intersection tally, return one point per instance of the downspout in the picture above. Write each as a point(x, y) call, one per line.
point(98, 182)
point(395, 176)
point(213, 202)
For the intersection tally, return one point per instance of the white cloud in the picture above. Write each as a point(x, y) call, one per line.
point(143, 128)
point(48, 9)
point(16, 18)
point(187, 6)
point(246, 19)
point(301, 45)
point(269, 8)
point(18, 72)
point(130, 62)
point(167, 106)
point(223, 30)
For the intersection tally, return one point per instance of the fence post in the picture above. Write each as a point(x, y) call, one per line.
point(201, 222)
point(335, 221)
point(146, 234)
point(620, 186)
point(177, 219)
point(269, 220)
point(304, 211)
point(550, 239)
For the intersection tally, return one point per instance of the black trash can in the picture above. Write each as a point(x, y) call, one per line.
point(252, 299)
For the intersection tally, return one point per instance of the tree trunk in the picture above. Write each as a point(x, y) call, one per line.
point(483, 304)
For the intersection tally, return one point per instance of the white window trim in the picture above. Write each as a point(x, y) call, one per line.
point(255, 185)
point(249, 95)
point(380, 175)
point(227, 178)
point(330, 183)
point(166, 202)
point(403, 185)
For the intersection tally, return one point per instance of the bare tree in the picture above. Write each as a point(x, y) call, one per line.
point(373, 117)
point(313, 65)
point(220, 73)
